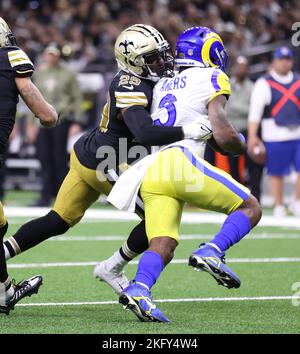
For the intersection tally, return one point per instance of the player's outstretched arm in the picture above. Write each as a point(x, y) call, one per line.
point(138, 120)
point(36, 102)
point(225, 136)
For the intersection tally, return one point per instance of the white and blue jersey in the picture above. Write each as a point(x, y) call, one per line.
point(182, 99)
point(179, 101)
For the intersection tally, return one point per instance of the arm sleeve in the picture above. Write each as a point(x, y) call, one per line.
point(131, 91)
point(260, 97)
point(20, 63)
point(220, 84)
point(140, 124)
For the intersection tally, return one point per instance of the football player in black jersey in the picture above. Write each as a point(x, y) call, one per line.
point(15, 72)
point(144, 57)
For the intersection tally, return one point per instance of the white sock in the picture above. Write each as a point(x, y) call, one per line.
point(116, 260)
point(14, 245)
point(6, 291)
point(10, 291)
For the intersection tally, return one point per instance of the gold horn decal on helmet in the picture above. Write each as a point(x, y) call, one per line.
point(206, 49)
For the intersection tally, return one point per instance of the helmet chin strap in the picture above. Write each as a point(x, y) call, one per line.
point(151, 75)
point(166, 72)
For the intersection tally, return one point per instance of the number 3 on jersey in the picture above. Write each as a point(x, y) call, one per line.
point(168, 103)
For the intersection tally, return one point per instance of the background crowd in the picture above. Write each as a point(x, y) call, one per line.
point(87, 29)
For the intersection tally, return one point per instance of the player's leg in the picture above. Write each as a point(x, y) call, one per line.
point(162, 215)
point(34, 232)
point(74, 198)
point(137, 296)
point(210, 256)
point(137, 241)
point(10, 293)
point(80, 189)
point(210, 188)
point(111, 269)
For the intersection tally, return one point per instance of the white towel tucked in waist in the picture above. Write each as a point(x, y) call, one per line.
point(124, 193)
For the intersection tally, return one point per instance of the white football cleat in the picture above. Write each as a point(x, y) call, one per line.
point(114, 277)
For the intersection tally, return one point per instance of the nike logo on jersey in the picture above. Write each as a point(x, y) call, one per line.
point(129, 87)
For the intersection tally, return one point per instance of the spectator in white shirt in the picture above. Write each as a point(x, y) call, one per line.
point(275, 103)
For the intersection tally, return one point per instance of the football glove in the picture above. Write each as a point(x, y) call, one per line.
point(200, 130)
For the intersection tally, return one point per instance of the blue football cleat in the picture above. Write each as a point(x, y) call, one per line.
point(138, 299)
point(210, 260)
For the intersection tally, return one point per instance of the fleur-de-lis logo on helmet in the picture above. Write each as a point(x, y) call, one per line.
point(125, 44)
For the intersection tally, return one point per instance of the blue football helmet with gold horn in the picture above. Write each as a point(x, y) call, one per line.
point(202, 47)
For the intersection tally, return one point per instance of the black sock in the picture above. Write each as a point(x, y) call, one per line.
point(36, 231)
point(3, 267)
point(136, 243)
point(3, 230)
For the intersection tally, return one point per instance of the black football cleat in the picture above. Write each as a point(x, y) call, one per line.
point(23, 289)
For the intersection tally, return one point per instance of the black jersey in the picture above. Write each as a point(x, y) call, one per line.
point(126, 90)
point(13, 63)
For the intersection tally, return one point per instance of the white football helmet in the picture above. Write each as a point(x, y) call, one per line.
point(138, 46)
point(6, 36)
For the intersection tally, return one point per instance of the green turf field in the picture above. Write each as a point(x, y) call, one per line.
point(72, 301)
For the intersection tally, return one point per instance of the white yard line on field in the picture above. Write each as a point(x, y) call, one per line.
point(184, 237)
point(175, 261)
point(207, 299)
point(187, 218)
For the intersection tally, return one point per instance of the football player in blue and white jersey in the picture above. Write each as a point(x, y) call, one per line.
point(177, 173)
